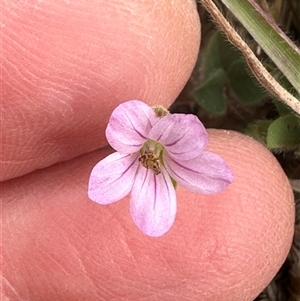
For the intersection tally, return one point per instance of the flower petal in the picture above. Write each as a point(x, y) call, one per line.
point(153, 202)
point(183, 136)
point(112, 178)
point(206, 174)
point(129, 126)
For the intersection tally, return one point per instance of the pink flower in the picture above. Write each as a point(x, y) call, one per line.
point(153, 152)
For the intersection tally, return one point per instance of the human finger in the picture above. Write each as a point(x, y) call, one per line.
point(59, 245)
point(67, 64)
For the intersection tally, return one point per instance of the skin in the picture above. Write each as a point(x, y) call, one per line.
point(62, 76)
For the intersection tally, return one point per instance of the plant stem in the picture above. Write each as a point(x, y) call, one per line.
point(260, 72)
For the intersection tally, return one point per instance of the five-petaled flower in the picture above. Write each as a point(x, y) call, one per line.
point(152, 153)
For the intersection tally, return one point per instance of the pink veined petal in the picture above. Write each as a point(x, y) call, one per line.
point(153, 202)
point(206, 174)
point(112, 178)
point(183, 136)
point(129, 126)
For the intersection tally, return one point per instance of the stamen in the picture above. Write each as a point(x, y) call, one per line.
point(150, 159)
point(160, 111)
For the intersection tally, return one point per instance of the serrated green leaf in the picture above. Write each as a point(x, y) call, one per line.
point(243, 84)
point(284, 133)
point(219, 54)
point(228, 52)
point(211, 56)
point(210, 94)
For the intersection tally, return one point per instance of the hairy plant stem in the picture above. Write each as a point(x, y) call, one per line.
point(260, 72)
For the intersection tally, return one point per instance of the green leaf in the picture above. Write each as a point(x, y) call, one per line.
point(282, 108)
point(219, 54)
point(284, 133)
point(211, 56)
point(258, 130)
point(244, 84)
point(228, 53)
point(210, 94)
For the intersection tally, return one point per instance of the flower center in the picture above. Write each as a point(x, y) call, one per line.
point(150, 159)
point(151, 156)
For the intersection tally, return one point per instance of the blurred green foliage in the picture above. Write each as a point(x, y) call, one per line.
point(225, 72)
point(279, 135)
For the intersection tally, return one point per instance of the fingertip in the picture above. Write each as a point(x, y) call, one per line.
point(241, 236)
point(225, 247)
point(68, 64)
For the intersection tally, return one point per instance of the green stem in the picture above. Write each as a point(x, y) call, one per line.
point(260, 72)
point(281, 50)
